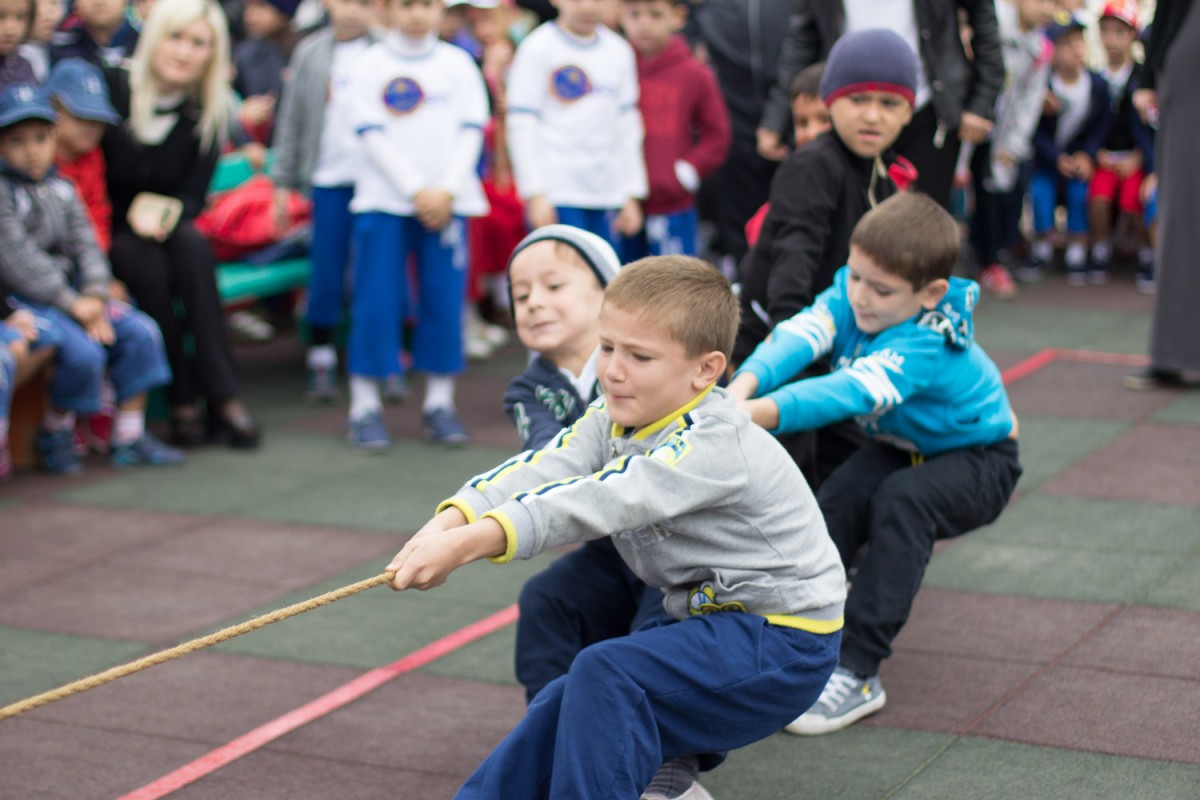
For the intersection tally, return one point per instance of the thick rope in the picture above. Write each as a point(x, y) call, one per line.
point(101, 678)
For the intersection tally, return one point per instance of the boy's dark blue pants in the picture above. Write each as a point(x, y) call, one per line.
point(704, 685)
point(332, 232)
point(897, 506)
point(585, 596)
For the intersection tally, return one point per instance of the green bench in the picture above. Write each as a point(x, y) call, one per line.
point(240, 283)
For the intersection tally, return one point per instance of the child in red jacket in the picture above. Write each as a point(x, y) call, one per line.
point(686, 127)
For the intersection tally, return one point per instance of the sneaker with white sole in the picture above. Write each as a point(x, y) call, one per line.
point(443, 426)
point(367, 434)
point(694, 792)
point(845, 700)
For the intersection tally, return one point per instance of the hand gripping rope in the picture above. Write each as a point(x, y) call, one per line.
point(101, 678)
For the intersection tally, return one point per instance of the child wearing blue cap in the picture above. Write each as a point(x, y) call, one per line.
point(50, 264)
point(79, 94)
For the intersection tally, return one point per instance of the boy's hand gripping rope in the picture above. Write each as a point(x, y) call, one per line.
point(101, 678)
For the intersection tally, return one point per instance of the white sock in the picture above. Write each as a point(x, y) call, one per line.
point(439, 392)
point(58, 421)
point(364, 396)
point(322, 356)
point(1042, 250)
point(1102, 251)
point(1076, 254)
point(128, 427)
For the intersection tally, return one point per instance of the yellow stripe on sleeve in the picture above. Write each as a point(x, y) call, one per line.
point(510, 535)
point(454, 502)
point(805, 623)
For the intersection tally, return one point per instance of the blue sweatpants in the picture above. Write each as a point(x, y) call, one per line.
point(597, 220)
point(663, 235)
point(704, 685)
point(136, 361)
point(382, 246)
point(585, 596)
point(1044, 188)
point(332, 230)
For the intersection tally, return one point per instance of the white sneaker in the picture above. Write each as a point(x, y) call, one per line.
point(694, 792)
point(845, 700)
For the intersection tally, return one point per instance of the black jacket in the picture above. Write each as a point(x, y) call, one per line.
point(1088, 139)
point(958, 84)
point(817, 197)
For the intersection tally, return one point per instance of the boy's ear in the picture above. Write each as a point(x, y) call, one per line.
point(711, 368)
point(933, 292)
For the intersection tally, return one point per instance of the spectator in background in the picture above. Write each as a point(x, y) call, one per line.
point(742, 42)
point(36, 49)
point(16, 18)
point(260, 61)
point(80, 97)
point(97, 31)
point(1171, 96)
point(1074, 122)
point(317, 153)
point(1127, 154)
point(996, 162)
point(686, 128)
point(956, 94)
point(574, 131)
point(174, 98)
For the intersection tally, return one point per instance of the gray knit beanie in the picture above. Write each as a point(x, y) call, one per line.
point(595, 252)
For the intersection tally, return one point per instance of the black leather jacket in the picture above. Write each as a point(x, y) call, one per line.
point(958, 84)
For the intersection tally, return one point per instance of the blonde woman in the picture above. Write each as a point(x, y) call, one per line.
point(174, 98)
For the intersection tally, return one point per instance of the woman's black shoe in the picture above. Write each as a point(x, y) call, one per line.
point(241, 433)
point(187, 432)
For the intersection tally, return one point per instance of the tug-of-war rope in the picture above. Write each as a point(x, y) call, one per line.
point(101, 678)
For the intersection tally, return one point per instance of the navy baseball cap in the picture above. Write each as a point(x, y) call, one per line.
point(80, 87)
point(1064, 22)
point(22, 101)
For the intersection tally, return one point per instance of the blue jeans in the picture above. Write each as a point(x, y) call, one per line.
point(136, 361)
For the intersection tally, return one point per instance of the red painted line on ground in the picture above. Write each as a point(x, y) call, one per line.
point(1044, 358)
point(367, 682)
point(1023, 369)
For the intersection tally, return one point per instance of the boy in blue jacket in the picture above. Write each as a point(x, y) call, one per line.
point(1074, 124)
point(942, 459)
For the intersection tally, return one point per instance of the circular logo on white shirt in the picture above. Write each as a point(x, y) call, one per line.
point(403, 96)
point(569, 83)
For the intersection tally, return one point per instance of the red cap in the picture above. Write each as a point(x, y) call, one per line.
point(1124, 10)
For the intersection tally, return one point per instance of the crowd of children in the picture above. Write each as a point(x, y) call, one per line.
point(725, 456)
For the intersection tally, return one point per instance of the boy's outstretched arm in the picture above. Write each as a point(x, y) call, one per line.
point(429, 557)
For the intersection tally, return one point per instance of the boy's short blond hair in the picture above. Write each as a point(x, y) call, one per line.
point(691, 298)
point(910, 236)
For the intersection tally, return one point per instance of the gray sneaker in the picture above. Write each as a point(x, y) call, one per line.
point(845, 700)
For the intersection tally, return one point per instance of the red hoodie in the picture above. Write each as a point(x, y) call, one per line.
point(88, 175)
point(685, 120)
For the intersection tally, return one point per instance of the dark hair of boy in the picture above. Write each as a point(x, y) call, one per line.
point(807, 81)
point(910, 236)
point(684, 294)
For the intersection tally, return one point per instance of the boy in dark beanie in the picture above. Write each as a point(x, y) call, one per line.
point(818, 195)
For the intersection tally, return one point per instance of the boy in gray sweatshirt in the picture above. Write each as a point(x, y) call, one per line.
point(703, 505)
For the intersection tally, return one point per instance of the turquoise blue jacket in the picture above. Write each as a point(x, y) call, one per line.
point(923, 385)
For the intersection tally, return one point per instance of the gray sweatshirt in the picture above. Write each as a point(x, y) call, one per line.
point(703, 504)
point(48, 250)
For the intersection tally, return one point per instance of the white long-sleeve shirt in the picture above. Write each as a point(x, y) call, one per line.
point(418, 108)
point(575, 131)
